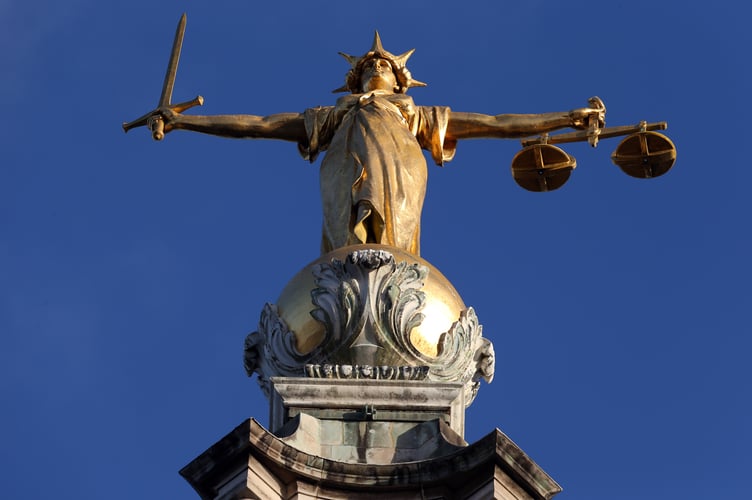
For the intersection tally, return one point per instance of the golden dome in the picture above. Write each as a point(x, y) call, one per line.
point(442, 308)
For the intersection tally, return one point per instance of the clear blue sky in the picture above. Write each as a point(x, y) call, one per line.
point(131, 271)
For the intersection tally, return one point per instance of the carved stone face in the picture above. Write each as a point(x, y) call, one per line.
point(378, 75)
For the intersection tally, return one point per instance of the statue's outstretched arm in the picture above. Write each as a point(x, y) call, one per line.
point(475, 125)
point(285, 126)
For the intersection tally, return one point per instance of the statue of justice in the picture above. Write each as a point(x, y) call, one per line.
point(373, 174)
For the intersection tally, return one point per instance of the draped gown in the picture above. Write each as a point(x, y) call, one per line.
point(373, 176)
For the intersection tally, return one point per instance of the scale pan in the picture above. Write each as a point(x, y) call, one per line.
point(645, 155)
point(542, 167)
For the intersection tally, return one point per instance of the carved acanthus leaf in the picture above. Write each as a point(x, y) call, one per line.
point(465, 355)
point(271, 351)
point(368, 299)
point(401, 303)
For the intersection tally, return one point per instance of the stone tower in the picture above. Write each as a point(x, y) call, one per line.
point(368, 359)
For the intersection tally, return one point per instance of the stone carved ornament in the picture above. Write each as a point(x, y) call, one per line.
point(369, 304)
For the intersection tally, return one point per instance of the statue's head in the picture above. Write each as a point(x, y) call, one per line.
point(378, 69)
point(377, 74)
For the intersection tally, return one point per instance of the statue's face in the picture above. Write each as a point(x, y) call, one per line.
point(378, 75)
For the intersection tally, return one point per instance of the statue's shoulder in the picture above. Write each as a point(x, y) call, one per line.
point(348, 100)
point(403, 102)
point(401, 98)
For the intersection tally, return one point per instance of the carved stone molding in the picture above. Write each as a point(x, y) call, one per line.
point(367, 372)
point(369, 304)
point(270, 351)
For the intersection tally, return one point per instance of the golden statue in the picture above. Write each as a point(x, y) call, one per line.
point(373, 176)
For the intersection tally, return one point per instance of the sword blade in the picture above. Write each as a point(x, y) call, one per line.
point(172, 66)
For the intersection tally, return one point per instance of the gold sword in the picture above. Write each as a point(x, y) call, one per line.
point(153, 119)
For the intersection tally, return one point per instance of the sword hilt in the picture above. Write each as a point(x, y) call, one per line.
point(155, 122)
point(156, 125)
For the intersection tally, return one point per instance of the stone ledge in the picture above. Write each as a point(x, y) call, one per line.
point(397, 400)
point(251, 462)
point(370, 442)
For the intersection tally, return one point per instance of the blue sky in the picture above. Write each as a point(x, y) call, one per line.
point(132, 270)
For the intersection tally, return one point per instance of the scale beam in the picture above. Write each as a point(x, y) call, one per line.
point(584, 135)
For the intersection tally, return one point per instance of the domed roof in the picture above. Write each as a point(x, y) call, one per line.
point(370, 312)
point(441, 307)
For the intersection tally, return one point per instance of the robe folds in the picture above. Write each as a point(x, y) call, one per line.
point(373, 176)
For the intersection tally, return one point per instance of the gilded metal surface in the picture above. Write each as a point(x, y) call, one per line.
point(172, 66)
point(442, 307)
point(376, 316)
point(153, 119)
point(645, 155)
point(542, 167)
point(604, 133)
point(595, 122)
point(373, 177)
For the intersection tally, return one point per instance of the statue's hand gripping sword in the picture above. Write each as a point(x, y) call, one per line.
point(153, 119)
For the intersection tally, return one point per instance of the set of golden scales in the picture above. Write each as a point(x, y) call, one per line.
point(539, 166)
point(644, 153)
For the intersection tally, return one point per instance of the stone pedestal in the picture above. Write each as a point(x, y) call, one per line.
point(252, 463)
point(369, 359)
point(380, 400)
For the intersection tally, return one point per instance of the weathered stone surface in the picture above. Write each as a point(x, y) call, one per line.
point(370, 442)
point(391, 400)
point(251, 462)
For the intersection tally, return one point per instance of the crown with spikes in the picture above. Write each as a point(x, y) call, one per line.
point(401, 73)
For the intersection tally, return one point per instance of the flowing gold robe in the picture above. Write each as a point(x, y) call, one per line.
point(373, 177)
